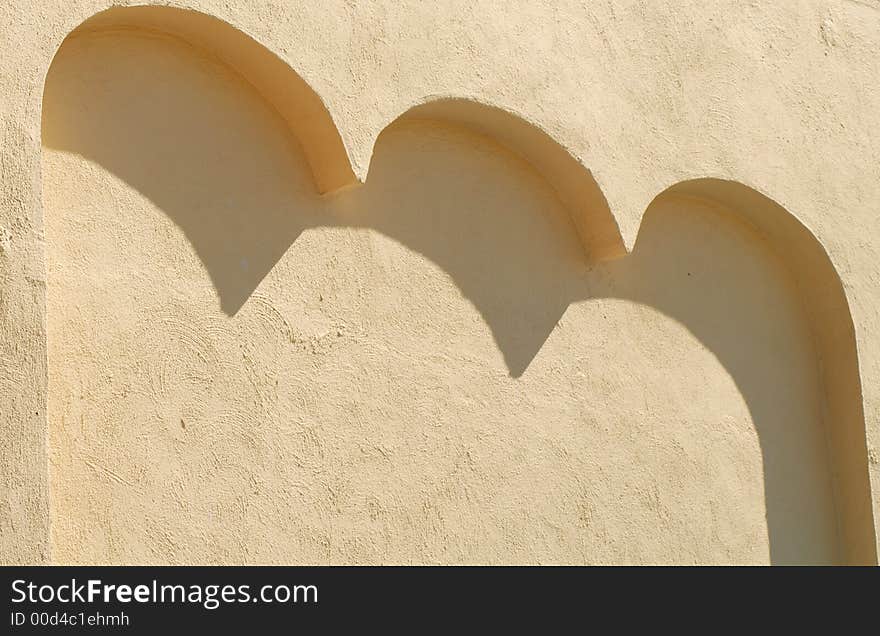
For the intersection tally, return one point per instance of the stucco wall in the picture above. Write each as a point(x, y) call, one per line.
point(219, 347)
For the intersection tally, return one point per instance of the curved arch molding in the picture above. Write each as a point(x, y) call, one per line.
point(300, 107)
point(825, 303)
point(824, 299)
point(311, 123)
point(573, 182)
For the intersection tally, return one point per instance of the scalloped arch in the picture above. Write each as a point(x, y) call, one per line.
point(330, 161)
point(825, 301)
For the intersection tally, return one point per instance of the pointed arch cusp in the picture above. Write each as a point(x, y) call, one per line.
point(298, 104)
point(573, 182)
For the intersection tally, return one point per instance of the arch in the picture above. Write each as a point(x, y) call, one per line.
point(830, 320)
point(819, 284)
point(298, 104)
point(573, 182)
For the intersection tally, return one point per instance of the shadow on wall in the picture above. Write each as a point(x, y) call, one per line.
point(165, 135)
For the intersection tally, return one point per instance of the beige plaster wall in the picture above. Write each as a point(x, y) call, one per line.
point(206, 360)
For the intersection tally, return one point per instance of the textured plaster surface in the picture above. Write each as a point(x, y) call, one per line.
point(204, 360)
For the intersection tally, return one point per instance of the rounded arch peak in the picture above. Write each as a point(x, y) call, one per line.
point(828, 312)
point(573, 182)
point(299, 105)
